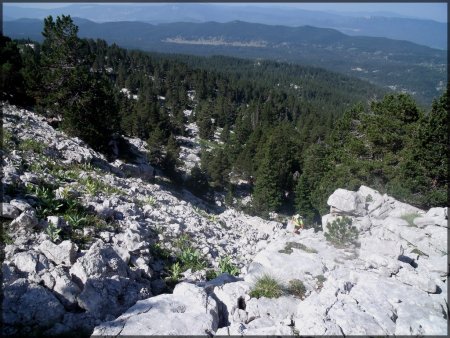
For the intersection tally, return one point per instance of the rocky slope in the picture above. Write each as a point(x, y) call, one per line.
point(107, 277)
point(393, 281)
point(102, 268)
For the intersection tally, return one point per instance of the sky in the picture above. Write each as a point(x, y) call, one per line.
point(425, 10)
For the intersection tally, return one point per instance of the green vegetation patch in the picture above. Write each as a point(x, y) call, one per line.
point(341, 232)
point(32, 145)
point(296, 288)
point(94, 186)
point(320, 280)
point(268, 287)
point(294, 245)
point(419, 252)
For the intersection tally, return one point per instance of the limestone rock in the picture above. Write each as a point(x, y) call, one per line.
point(9, 211)
point(189, 310)
point(347, 202)
point(63, 253)
point(100, 260)
point(30, 305)
point(25, 221)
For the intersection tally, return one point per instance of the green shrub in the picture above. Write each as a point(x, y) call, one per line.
point(341, 232)
point(211, 274)
point(266, 286)
point(150, 200)
point(297, 288)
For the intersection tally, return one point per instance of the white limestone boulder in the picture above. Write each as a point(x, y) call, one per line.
point(189, 310)
point(347, 202)
point(63, 253)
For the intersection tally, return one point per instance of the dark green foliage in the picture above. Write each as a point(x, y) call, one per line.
point(276, 167)
point(171, 158)
point(197, 182)
point(393, 147)
point(84, 100)
point(226, 266)
point(92, 115)
point(297, 288)
point(424, 171)
point(267, 194)
point(303, 203)
point(341, 232)
point(12, 85)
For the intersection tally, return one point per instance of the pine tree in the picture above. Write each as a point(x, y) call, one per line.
point(266, 195)
point(12, 85)
point(85, 100)
point(304, 206)
point(171, 158)
point(197, 182)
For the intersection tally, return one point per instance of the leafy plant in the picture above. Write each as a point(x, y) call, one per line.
point(211, 274)
point(341, 232)
point(94, 186)
point(191, 259)
point(175, 272)
point(75, 220)
point(266, 286)
point(297, 288)
point(53, 231)
point(226, 266)
point(31, 145)
point(5, 238)
point(150, 200)
point(48, 205)
point(182, 242)
point(158, 250)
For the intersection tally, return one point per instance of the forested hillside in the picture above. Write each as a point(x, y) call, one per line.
point(399, 65)
point(294, 133)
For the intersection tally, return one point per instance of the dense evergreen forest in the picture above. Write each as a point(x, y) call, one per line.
point(295, 133)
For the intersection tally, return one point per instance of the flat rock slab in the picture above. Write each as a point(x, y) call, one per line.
point(189, 310)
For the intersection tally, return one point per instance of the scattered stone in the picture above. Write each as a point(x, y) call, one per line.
point(63, 253)
point(9, 211)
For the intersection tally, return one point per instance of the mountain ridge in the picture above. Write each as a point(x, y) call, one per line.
point(422, 31)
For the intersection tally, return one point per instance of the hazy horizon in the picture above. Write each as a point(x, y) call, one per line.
point(436, 11)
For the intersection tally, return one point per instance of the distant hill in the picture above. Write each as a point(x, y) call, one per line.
point(380, 24)
point(399, 65)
